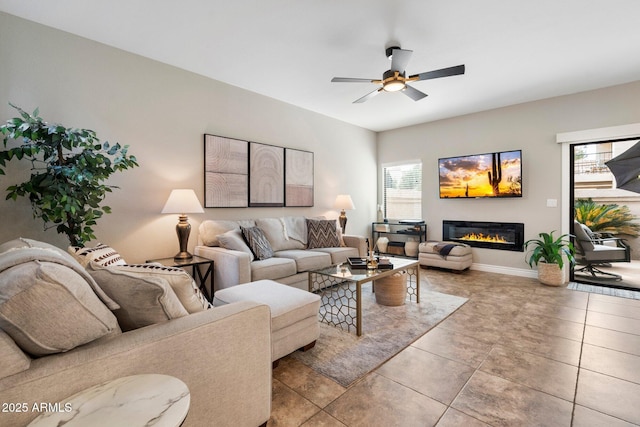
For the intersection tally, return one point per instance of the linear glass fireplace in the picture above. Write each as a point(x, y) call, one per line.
point(507, 236)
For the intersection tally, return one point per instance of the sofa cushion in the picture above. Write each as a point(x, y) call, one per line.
point(282, 232)
point(306, 260)
point(322, 233)
point(339, 255)
point(101, 254)
point(272, 268)
point(258, 242)
point(181, 282)
point(209, 230)
point(234, 240)
point(144, 299)
point(49, 308)
point(13, 359)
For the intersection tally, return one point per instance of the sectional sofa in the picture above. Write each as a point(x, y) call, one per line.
point(62, 331)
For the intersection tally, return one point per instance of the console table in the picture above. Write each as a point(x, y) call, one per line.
point(398, 232)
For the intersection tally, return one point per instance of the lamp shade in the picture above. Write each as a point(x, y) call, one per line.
point(182, 201)
point(344, 202)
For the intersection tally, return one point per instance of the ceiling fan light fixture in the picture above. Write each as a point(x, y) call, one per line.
point(394, 86)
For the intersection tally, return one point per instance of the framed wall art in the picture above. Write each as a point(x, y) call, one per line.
point(226, 172)
point(266, 175)
point(298, 178)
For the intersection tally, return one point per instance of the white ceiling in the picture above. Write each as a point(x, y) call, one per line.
point(514, 50)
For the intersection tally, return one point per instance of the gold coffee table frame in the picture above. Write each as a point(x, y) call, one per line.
point(340, 287)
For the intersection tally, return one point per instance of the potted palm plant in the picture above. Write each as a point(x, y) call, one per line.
point(548, 252)
point(68, 168)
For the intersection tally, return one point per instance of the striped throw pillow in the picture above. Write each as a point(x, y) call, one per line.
point(101, 254)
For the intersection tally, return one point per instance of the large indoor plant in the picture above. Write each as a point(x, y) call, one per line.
point(548, 253)
point(68, 169)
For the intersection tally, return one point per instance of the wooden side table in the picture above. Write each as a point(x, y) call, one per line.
point(137, 400)
point(195, 262)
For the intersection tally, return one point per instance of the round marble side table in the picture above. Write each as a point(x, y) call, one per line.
point(137, 400)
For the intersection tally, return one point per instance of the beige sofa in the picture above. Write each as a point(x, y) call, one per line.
point(296, 249)
point(59, 336)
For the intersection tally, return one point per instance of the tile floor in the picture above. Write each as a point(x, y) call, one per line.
point(516, 354)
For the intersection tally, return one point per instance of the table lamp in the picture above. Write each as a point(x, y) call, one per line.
point(182, 201)
point(343, 202)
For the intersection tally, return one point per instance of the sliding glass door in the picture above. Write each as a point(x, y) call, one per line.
point(608, 217)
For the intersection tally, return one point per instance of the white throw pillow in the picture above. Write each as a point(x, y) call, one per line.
point(233, 240)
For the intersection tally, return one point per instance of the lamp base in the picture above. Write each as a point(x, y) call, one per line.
point(183, 229)
point(343, 221)
point(181, 256)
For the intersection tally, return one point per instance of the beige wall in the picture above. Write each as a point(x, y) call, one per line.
point(162, 112)
point(531, 127)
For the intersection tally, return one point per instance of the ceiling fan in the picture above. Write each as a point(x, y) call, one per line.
point(394, 79)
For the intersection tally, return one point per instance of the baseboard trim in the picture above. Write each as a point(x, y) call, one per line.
point(488, 268)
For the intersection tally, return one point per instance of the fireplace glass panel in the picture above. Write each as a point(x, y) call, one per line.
point(492, 235)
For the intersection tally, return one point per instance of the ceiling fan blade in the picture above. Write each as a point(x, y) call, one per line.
point(414, 93)
point(400, 59)
point(350, 80)
point(367, 96)
point(444, 72)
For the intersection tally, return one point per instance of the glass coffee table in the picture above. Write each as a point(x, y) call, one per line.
point(340, 287)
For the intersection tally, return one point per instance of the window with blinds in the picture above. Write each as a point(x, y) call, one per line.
point(402, 192)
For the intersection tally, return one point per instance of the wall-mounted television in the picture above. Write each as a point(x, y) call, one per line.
point(481, 175)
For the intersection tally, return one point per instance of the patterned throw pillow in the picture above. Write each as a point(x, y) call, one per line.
point(258, 242)
point(322, 233)
point(101, 254)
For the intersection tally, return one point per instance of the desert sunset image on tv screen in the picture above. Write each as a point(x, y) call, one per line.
point(481, 175)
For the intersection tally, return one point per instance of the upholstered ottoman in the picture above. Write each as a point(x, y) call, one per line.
point(451, 255)
point(294, 313)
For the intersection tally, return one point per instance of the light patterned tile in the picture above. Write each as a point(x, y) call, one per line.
point(288, 408)
point(615, 323)
point(455, 346)
point(455, 418)
point(500, 402)
point(621, 341)
point(585, 417)
point(427, 373)
point(609, 395)
point(546, 375)
point(615, 308)
point(308, 383)
point(378, 401)
point(611, 362)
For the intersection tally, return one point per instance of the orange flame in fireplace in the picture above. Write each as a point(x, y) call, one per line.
point(481, 237)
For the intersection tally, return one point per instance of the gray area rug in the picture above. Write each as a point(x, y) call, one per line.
point(345, 357)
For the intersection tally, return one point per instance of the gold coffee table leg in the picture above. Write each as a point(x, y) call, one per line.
point(358, 309)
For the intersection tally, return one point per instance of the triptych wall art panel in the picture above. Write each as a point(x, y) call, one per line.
point(266, 175)
point(299, 177)
point(226, 172)
point(243, 173)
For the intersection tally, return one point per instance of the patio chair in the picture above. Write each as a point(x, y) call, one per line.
point(593, 249)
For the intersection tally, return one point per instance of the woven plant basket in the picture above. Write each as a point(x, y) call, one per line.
point(550, 274)
point(391, 290)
